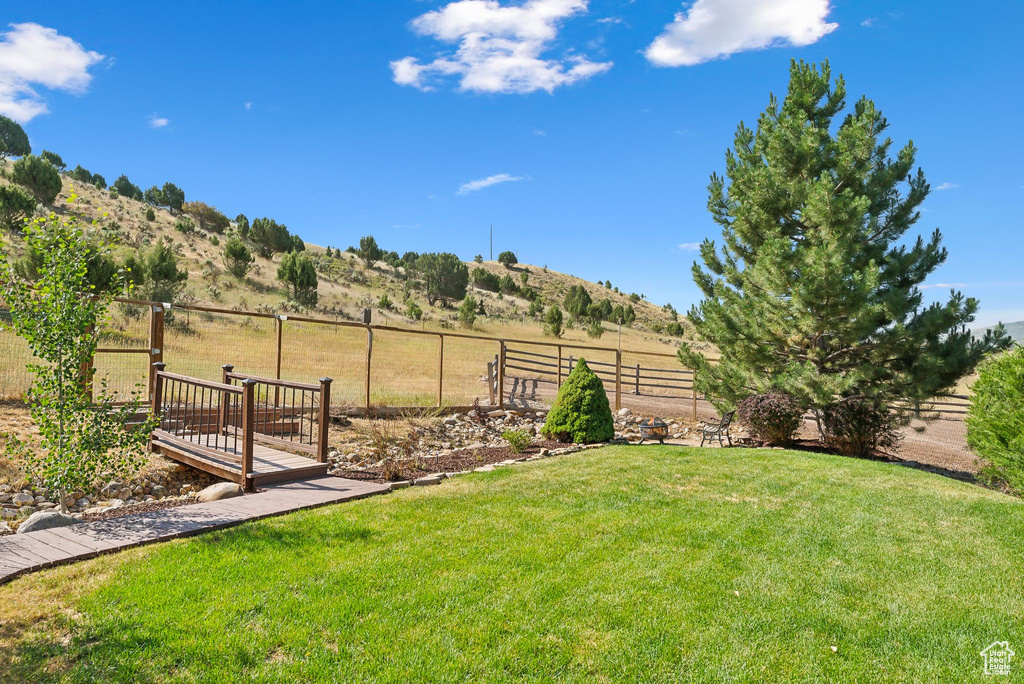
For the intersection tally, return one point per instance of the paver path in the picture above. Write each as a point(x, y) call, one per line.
point(21, 553)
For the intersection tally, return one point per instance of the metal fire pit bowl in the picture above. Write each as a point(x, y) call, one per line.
point(653, 428)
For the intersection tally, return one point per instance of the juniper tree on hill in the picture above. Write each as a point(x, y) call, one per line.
point(814, 291)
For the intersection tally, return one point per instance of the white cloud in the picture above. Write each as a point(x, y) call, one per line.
point(481, 183)
point(32, 55)
point(499, 47)
point(248, 105)
point(948, 186)
point(689, 246)
point(401, 226)
point(539, 133)
point(158, 121)
point(944, 286)
point(869, 22)
point(610, 20)
point(715, 29)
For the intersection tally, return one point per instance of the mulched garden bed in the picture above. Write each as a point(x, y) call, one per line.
point(133, 509)
point(462, 459)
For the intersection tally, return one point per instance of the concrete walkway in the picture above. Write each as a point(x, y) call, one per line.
point(21, 553)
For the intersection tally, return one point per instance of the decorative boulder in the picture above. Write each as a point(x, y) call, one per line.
point(221, 490)
point(581, 412)
point(44, 520)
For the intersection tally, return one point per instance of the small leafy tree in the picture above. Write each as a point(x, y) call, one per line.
point(299, 274)
point(242, 221)
point(414, 311)
point(83, 432)
point(581, 412)
point(164, 280)
point(773, 418)
point(13, 140)
point(595, 330)
point(485, 280)
point(467, 311)
point(444, 276)
point(150, 214)
point(54, 159)
point(995, 419)
point(153, 194)
point(577, 301)
point(15, 207)
point(237, 257)
point(507, 259)
point(553, 321)
point(206, 216)
point(124, 187)
point(369, 251)
point(173, 197)
point(37, 176)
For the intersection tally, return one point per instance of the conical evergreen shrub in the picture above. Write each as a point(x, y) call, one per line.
point(581, 412)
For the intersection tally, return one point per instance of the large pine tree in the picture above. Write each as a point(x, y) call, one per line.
point(816, 289)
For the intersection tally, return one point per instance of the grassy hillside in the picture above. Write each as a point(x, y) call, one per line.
point(347, 285)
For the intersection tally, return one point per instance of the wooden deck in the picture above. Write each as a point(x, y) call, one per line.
point(268, 465)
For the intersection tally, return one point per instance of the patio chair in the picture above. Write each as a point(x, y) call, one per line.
point(717, 429)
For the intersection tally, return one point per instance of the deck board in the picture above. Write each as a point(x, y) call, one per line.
point(268, 464)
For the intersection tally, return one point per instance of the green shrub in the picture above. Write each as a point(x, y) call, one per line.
point(517, 440)
point(581, 412)
point(773, 418)
point(414, 311)
point(38, 176)
point(856, 427)
point(150, 214)
point(995, 419)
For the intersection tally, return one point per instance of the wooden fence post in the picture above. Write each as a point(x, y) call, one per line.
point(369, 357)
point(693, 387)
point(279, 332)
point(87, 369)
point(440, 370)
point(248, 403)
point(637, 390)
point(156, 342)
point(618, 380)
point(501, 374)
point(559, 365)
point(324, 420)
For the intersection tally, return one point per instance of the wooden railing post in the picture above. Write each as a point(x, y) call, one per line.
point(501, 374)
point(324, 420)
point(156, 341)
point(369, 357)
point(618, 380)
point(225, 402)
point(158, 389)
point(637, 390)
point(248, 425)
point(440, 370)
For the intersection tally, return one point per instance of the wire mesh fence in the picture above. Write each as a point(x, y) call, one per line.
point(409, 368)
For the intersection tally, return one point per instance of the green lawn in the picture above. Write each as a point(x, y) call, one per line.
point(623, 563)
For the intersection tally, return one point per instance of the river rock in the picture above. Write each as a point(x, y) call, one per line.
point(44, 520)
point(221, 490)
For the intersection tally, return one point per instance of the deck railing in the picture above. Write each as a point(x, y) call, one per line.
point(214, 418)
point(288, 415)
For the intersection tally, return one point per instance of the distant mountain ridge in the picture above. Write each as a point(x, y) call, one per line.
point(1015, 330)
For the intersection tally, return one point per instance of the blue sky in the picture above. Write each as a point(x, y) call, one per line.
point(597, 124)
